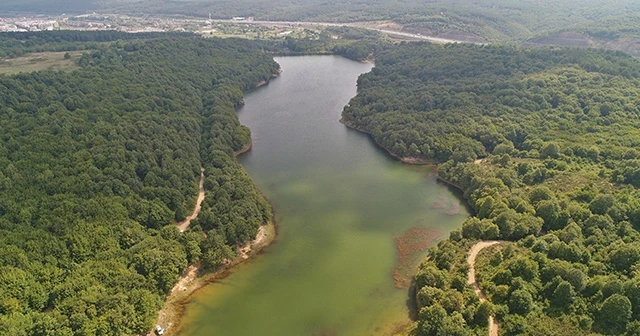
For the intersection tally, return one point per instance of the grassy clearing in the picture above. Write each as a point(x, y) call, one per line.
point(38, 62)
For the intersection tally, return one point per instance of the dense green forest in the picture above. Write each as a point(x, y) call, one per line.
point(352, 43)
point(544, 145)
point(490, 20)
point(96, 166)
point(15, 44)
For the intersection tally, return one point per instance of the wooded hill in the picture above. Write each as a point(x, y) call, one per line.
point(543, 144)
point(488, 20)
point(96, 166)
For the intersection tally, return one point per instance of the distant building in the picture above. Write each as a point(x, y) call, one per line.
point(36, 25)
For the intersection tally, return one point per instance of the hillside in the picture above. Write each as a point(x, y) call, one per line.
point(543, 144)
point(490, 21)
point(98, 164)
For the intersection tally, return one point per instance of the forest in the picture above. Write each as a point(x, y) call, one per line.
point(490, 20)
point(98, 164)
point(543, 143)
point(14, 44)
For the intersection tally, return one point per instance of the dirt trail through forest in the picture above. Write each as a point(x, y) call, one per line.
point(189, 281)
point(471, 260)
point(184, 225)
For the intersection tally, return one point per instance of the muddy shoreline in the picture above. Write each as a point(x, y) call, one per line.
point(170, 316)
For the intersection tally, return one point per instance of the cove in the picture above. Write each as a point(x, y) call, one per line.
point(341, 204)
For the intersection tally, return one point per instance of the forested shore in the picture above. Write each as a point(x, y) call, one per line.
point(557, 132)
point(98, 164)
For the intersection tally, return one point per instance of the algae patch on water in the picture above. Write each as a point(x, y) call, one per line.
point(410, 246)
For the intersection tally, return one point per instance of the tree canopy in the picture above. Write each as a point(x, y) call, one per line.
point(543, 144)
point(96, 166)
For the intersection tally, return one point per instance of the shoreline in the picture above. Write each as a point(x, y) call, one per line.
point(170, 316)
point(416, 161)
point(247, 147)
point(404, 159)
point(266, 81)
point(191, 281)
point(407, 160)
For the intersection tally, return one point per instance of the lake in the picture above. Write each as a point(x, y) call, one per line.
point(353, 223)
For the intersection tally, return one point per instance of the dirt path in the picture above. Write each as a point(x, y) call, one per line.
point(471, 260)
point(184, 225)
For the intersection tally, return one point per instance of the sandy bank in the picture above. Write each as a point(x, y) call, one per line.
point(265, 82)
point(244, 149)
point(191, 281)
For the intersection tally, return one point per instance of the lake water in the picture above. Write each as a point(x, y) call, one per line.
point(341, 204)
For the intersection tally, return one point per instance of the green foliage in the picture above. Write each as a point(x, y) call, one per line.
point(493, 20)
point(432, 320)
point(482, 314)
point(14, 44)
point(565, 195)
point(471, 99)
point(614, 314)
point(448, 305)
point(550, 150)
point(601, 204)
point(95, 166)
point(520, 302)
point(563, 295)
point(353, 43)
point(431, 277)
point(624, 257)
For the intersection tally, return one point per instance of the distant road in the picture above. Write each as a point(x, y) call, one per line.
point(333, 24)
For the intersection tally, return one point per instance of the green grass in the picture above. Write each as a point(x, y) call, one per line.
point(38, 62)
